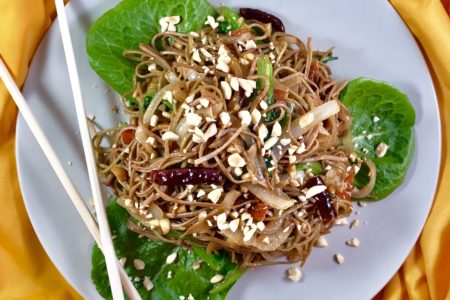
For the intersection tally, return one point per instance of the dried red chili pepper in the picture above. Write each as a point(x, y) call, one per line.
point(183, 176)
point(324, 202)
point(262, 16)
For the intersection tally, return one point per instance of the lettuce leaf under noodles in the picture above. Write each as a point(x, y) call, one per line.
point(381, 114)
point(184, 279)
point(132, 22)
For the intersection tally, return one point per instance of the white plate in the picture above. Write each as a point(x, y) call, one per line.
point(371, 40)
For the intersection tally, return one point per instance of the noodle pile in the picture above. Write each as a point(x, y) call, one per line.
point(259, 212)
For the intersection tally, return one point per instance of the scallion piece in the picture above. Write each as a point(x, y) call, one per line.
point(315, 167)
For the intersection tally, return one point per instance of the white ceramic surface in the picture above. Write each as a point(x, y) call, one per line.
point(371, 40)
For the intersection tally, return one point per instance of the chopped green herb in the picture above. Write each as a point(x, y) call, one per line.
point(169, 105)
point(329, 58)
point(130, 101)
point(267, 162)
point(283, 122)
point(315, 167)
point(159, 44)
point(258, 32)
point(223, 27)
point(147, 100)
point(362, 178)
point(325, 58)
point(230, 16)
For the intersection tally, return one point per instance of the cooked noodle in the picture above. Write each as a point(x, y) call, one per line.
point(304, 82)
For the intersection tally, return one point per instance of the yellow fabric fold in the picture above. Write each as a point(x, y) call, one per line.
point(27, 273)
point(426, 272)
point(25, 270)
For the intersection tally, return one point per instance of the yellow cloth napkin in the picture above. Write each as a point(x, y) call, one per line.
point(25, 270)
point(426, 272)
point(27, 273)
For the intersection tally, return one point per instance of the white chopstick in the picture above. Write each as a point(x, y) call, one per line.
point(60, 172)
point(105, 233)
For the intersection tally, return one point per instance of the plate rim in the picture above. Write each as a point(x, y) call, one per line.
point(20, 175)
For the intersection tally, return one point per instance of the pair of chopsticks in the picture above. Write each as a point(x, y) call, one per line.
point(105, 233)
point(101, 232)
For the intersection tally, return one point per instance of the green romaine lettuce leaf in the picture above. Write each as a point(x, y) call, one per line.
point(185, 280)
point(132, 22)
point(368, 100)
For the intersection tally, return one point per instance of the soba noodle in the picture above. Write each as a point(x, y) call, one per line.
point(266, 193)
